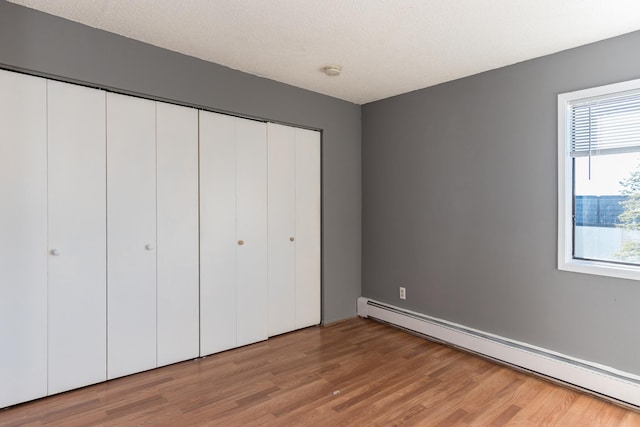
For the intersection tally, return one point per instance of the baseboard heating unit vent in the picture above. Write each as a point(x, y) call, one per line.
point(607, 382)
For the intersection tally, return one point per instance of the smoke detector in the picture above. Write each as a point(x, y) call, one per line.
point(332, 70)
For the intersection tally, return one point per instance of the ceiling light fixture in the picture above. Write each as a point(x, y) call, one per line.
point(332, 70)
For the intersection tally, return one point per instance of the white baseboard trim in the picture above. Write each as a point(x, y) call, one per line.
point(599, 379)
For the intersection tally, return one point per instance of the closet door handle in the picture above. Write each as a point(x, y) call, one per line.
point(240, 242)
point(149, 247)
point(55, 252)
point(291, 239)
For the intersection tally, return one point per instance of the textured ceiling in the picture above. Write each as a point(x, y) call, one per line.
point(386, 47)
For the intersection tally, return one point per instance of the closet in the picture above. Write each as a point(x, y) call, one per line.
point(135, 234)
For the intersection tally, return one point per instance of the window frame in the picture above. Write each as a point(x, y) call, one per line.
point(566, 261)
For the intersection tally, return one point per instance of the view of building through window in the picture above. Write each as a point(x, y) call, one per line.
point(607, 207)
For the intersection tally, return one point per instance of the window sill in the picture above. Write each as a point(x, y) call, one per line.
point(601, 269)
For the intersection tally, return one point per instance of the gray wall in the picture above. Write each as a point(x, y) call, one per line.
point(50, 46)
point(460, 207)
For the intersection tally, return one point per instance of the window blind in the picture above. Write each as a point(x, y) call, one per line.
point(605, 125)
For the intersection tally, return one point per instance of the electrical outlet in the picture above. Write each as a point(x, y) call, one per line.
point(403, 293)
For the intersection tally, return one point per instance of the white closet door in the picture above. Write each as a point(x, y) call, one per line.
point(251, 205)
point(177, 281)
point(282, 228)
point(23, 238)
point(217, 233)
point(131, 235)
point(308, 239)
point(233, 243)
point(77, 236)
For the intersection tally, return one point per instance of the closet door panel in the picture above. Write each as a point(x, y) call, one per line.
point(251, 205)
point(177, 253)
point(77, 236)
point(217, 233)
point(308, 226)
point(23, 238)
point(281, 228)
point(131, 238)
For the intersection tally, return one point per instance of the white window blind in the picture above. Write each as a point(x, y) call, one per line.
point(605, 125)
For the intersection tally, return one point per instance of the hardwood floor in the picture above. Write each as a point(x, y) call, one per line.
point(353, 373)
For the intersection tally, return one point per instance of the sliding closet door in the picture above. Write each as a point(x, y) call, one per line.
point(282, 228)
point(23, 238)
point(131, 238)
point(294, 228)
point(218, 298)
point(233, 293)
point(308, 225)
point(77, 236)
point(177, 282)
point(251, 226)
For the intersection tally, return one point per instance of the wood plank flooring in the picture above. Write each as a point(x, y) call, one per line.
point(353, 373)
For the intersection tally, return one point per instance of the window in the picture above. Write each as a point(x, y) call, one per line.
point(599, 180)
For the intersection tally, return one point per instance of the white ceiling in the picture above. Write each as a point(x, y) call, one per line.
point(386, 47)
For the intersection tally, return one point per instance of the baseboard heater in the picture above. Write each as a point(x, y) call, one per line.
point(621, 387)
